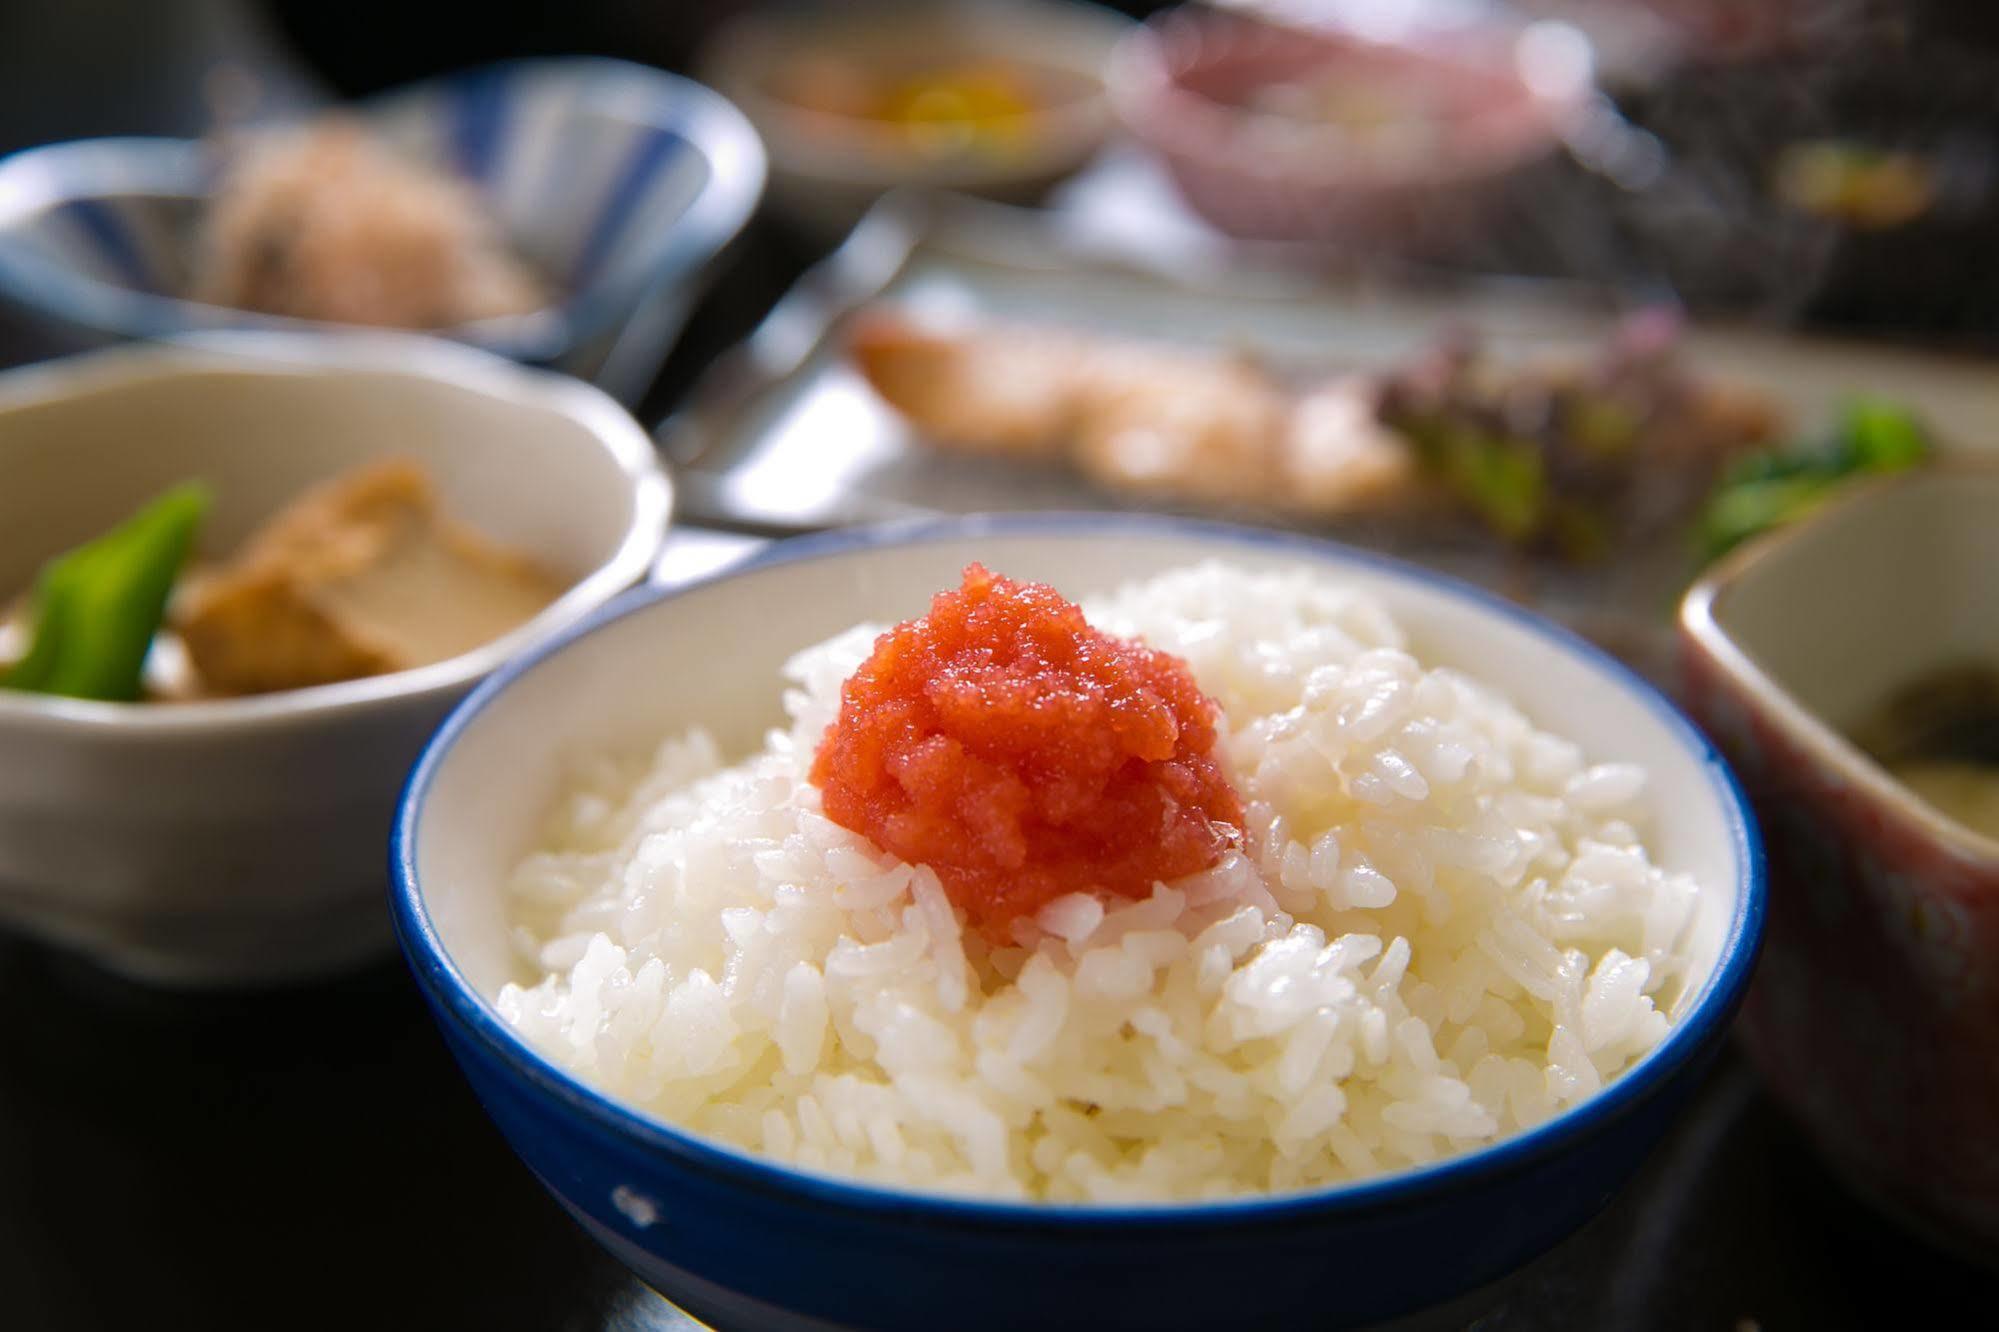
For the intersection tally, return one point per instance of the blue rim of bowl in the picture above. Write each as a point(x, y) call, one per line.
point(1712, 1008)
point(718, 212)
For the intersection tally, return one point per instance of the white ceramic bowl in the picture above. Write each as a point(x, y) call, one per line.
point(699, 1220)
point(826, 170)
point(244, 840)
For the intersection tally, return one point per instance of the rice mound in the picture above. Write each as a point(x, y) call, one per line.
point(1443, 927)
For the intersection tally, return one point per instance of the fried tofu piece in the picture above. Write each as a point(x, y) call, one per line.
point(361, 576)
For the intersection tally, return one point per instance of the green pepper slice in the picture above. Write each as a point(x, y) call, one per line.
point(97, 607)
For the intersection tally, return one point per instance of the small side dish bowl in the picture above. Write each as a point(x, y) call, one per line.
point(999, 100)
point(1278, 133)
point(616, 183)
point(743, 1242)
point(1875, 1018)
point(240, 840)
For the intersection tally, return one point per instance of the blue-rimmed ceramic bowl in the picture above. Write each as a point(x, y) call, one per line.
point(617, 182)
point(746, 1243)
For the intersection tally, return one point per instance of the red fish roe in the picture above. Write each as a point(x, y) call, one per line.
point(1024, 755)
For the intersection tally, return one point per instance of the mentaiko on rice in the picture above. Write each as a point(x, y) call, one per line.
point(1438, 927)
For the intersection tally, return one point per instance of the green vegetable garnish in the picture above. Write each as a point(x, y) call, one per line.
point(1767, 490)
point(1580, 533)
point(1503, 480)
point(1506, 481)
point(1602, 425)
point(1879, 436)
point(97, 608)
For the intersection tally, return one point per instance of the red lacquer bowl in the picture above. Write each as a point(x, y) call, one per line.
point(1875, 1014)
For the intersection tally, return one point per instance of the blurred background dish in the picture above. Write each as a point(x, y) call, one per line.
point(1716, 31)
point(233, 840)
point(1847, 667)
point(1843, 185)
point(1331, 135)
point(1255, 397)
point(852, 101)
point(608, 189)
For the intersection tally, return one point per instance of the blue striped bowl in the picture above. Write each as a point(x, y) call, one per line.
point(619, 182)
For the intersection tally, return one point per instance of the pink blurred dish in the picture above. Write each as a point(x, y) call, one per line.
point(1279, 133)
point(1875, 1014)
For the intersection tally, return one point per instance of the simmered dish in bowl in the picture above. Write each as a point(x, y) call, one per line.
point(241, 580)
point(364, 574)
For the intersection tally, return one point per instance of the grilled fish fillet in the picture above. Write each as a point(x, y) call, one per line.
point(1148, 420)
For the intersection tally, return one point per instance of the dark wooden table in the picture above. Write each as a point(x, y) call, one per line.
point(311, 1159)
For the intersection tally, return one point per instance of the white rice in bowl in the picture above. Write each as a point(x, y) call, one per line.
point(1443, 928)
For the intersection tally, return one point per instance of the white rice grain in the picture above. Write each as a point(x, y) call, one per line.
point(1442, 926)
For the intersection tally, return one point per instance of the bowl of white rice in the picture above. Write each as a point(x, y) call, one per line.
point(1486, 909)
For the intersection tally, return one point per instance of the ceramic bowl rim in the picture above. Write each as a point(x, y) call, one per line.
point(459, 1003)
point(413, 357)
point(47, 174)
point(1702, 625)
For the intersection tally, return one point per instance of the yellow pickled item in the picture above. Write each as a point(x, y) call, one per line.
point(959, 110)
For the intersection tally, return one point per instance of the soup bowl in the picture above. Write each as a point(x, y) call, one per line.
point(744, 1242)
point(1875, 1020)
